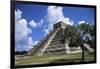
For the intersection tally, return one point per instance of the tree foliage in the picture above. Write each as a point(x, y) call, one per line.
point(80, 34)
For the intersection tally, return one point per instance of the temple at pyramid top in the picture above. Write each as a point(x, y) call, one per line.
point(60, 24)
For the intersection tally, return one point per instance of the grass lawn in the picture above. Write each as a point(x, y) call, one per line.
point(47, 59)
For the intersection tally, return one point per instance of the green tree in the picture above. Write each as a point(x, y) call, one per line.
point(91, 40)
point(77, 35)
point(82, 35)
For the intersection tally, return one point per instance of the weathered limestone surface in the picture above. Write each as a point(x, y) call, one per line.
point(57, 44)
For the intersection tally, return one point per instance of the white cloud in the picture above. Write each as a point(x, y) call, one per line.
point(33, 24)
point(40, 23)
point(46, 31)
point(35, 42)
point(21, 29)
point(54, 15)
point(31, 43)
point(22, 40)
point(68, 21)
point(82, 22)
point(17, 14)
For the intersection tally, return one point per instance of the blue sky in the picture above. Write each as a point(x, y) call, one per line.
point(37, 20)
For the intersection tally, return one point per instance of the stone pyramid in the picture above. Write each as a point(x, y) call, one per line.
point(54, 42)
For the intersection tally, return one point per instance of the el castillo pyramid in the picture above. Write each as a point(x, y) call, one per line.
point(54, 43)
